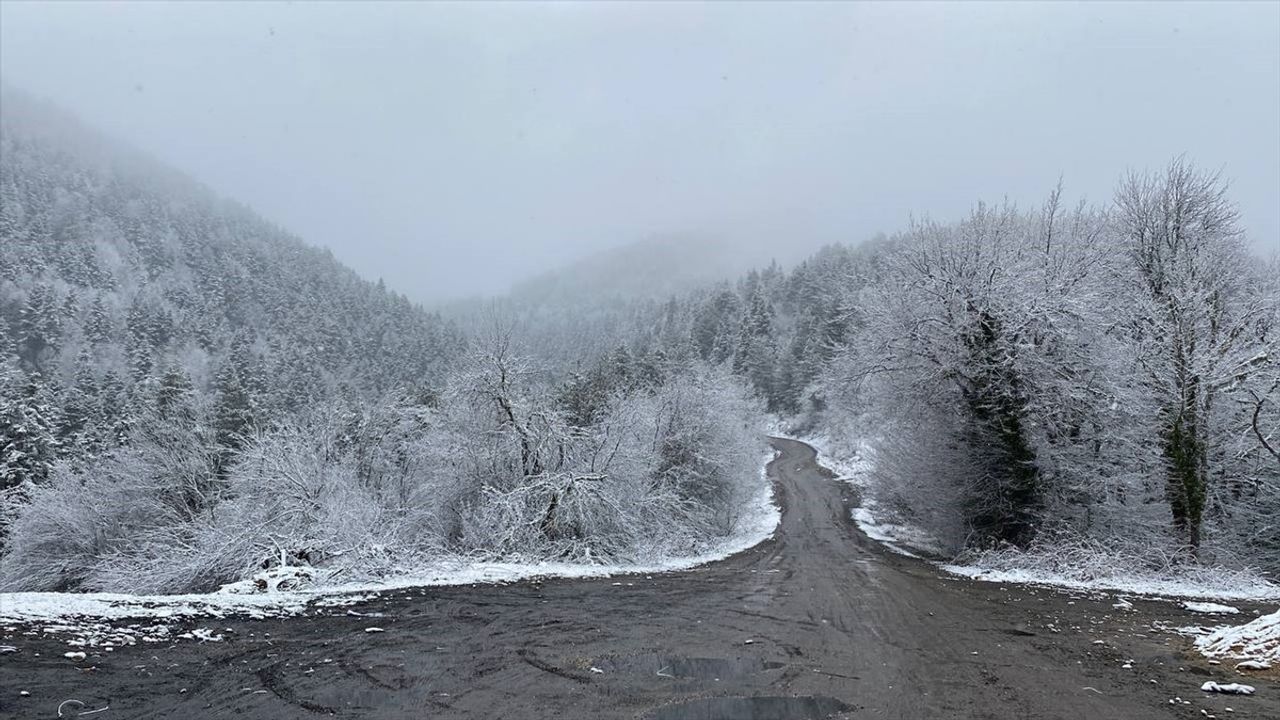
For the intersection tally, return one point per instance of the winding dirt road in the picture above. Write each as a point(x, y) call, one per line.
point(818, 622)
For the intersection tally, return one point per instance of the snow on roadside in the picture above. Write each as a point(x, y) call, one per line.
point(1223, 587)
point(83, 615)
point(852, 469)
point(1212, 608)
point(1209, 583)
point(1257, 641)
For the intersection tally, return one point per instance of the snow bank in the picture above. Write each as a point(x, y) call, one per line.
point(1212, 583)
point(269, 596)
point(38, 606)
point(1212, 608)
point(1258, 641)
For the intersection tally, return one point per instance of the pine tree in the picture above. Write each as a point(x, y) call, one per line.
point(175, 395)
point(141, 363)
point(80, 414)
point(233, 411)
point(98, 325)
point(38, 328)
point(755, 356)
point(28, 446)
point(114, 411)
point(620, 372)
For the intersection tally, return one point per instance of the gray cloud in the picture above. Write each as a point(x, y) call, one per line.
point(454, 149)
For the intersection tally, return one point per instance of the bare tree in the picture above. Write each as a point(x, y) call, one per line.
point(1193, 324)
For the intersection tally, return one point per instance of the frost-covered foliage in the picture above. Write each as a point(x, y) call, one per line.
point(1078, 379)
point(972, 353)
point(634, 462)
point(664, 469)
point(492, 470)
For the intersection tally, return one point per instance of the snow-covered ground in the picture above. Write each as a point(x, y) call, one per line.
point(1256, 644)
point(67, 611)
point(1211, 608)
point(1222, 585)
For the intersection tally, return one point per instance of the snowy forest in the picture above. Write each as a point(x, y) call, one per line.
point(1090, 383)
point(190, 395)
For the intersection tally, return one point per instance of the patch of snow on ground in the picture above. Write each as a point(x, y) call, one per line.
point(37, 606)
point(1184, 587)
point(886, 534)
point(1208, 607)
point(82, 615)
point(283, 577)
point(1258, 640)
point(1228, 688)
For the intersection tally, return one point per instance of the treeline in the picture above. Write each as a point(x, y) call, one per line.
point(776, 329)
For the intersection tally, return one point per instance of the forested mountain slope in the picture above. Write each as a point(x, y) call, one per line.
point(120, 277)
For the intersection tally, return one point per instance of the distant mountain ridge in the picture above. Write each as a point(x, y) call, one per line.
point(655, 269)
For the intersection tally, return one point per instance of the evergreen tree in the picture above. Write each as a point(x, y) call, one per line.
point(80, 414)
point(114, 410)
point(175, 395)
point(233, 411)
point(28, 445)
point(98, 325)
point(38, 328)
point(755, 356)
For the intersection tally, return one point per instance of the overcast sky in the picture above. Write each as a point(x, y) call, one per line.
point(453, 149)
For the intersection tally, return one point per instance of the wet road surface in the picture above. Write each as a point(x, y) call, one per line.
point(817, 622)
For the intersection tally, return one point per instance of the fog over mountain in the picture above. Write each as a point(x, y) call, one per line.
point(454, 150)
